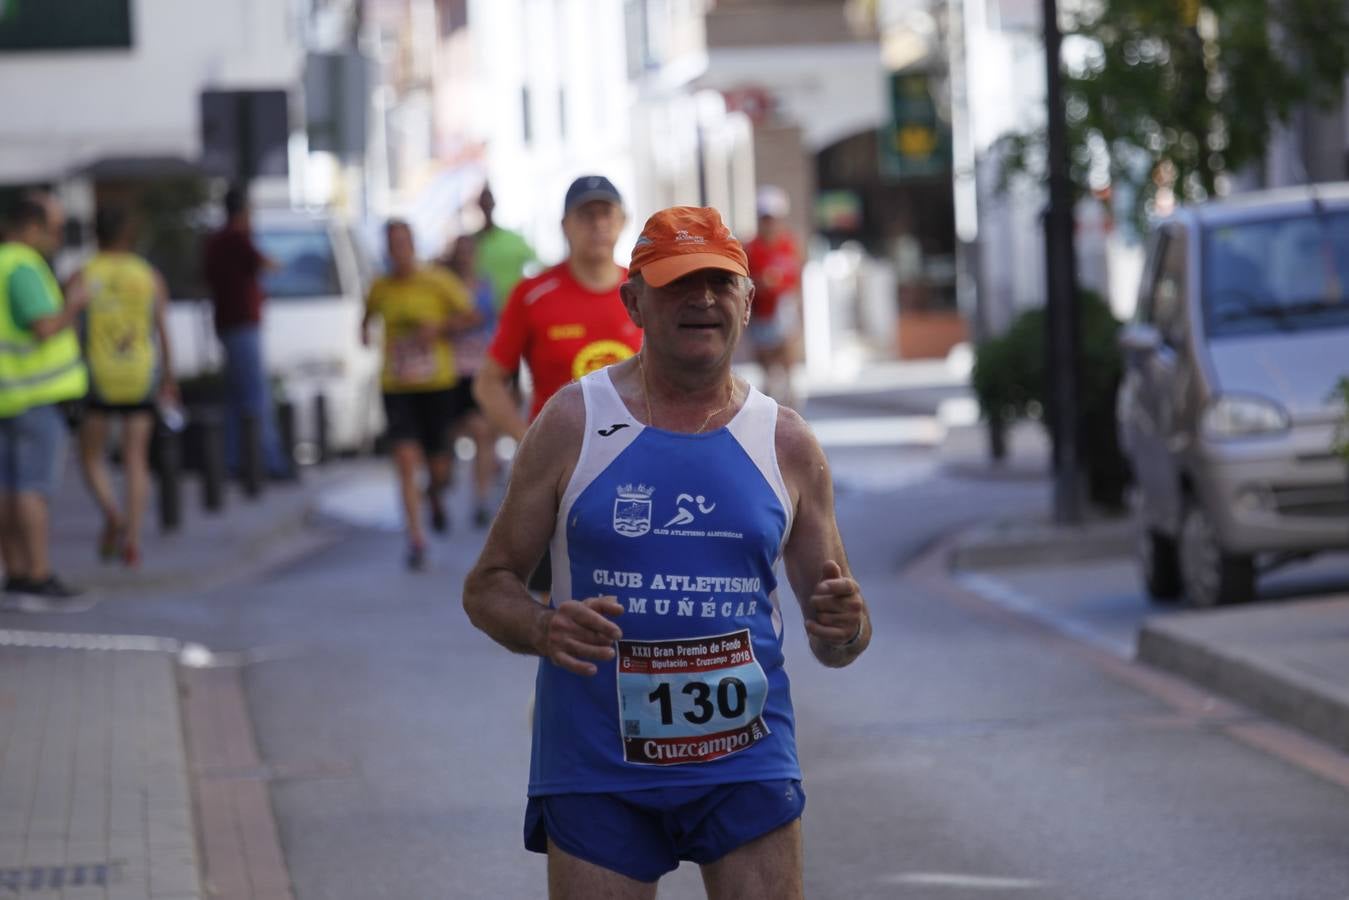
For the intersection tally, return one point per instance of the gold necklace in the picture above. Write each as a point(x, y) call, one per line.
point(646, 398)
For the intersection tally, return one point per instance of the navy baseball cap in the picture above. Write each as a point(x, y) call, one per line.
point(590, 187)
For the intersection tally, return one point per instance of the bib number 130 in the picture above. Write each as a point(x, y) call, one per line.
point(690, 700)
point(730, 701)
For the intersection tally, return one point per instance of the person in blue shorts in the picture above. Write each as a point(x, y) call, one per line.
point(667, 489)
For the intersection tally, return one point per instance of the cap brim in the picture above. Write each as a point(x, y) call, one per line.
point(663, 271)
point(588, 196)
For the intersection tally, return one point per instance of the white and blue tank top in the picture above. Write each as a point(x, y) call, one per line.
point(685, 530)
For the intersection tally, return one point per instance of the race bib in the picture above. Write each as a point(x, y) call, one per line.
point(690, 700)
point(411, 361)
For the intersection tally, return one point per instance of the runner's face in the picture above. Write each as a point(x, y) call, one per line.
point(402, 252)
point(592, 230)
point(699, 317)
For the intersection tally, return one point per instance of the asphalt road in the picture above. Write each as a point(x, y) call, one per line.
point(962, 758)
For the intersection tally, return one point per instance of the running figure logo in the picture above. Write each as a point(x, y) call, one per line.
point(685, 516)
point(632, 510)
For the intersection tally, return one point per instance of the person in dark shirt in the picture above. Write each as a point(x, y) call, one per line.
point(232, 267)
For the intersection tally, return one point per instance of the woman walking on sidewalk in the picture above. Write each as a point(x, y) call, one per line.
point(126, 346)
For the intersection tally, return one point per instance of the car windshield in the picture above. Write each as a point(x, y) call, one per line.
point(1283, 274)
point(304, 262)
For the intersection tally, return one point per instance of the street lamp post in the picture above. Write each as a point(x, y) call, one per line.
point(1061, 320)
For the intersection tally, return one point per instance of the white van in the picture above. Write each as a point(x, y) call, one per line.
point(311, 317)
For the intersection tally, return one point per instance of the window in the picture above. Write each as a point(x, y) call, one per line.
point(1169, 291)
point(1281, 274)
point(304, 263)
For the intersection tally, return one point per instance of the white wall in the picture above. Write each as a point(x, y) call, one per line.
point(832, 91)
point(63, 109)
point(574, 46)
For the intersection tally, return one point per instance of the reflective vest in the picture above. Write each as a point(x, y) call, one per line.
point(33, 372)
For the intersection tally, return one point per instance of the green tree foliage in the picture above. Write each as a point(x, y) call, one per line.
point(1175, 94)
point(1340, 396)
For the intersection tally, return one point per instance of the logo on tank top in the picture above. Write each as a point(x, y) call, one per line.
point(597, 355)
point(632, 510)
point(685, 515)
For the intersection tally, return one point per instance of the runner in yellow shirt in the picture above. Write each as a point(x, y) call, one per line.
point(420, 307)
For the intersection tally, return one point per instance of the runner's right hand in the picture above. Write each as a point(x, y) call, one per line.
point(579, 630)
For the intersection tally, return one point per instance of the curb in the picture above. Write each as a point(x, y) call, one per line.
point(1273, 689)
point(1021, 543)
point(241, 853)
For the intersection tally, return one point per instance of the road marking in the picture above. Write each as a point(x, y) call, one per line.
point(55, 640)
point(956, 880)
point(1009, 598)
point(879, 431)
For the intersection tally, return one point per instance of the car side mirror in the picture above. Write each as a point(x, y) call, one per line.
point(1140, 339)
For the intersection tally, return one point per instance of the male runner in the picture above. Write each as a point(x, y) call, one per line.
point(567, 320)
point(502, 254)
point(564, 322)
point(668, 488)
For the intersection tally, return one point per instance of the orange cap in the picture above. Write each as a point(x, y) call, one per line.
point(683, 239)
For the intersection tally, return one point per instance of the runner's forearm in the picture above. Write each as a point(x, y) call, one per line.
point(493, 394)
point(499, 605)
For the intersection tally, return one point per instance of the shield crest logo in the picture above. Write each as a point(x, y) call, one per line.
point(632, 510)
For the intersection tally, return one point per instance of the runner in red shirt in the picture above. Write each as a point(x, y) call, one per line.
point(775, 266)
point(564, 322)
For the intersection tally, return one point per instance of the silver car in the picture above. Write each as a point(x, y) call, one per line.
point(1225, 411)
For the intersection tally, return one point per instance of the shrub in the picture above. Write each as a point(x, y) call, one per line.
point(1010, 382)
point(1340, 396)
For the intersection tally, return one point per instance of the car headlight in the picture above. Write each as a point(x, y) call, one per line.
point(1243, 415)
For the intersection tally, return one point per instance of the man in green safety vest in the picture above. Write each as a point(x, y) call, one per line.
point(40, 366)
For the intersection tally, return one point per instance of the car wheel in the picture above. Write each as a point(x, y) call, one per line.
point(1210, 575)
point(1159, 562)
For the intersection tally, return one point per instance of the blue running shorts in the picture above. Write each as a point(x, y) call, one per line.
point(644, 834)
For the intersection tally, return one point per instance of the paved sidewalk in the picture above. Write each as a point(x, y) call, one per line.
point(94, 799)
point(206, 549)
point(1286, 656)
point(1287, 660)
point(96, 781)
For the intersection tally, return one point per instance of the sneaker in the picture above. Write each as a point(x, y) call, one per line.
point(440, 522)
point(416, 557)
point(15, 585)
point(13, 589)
point(110, 542)
point(52, 595)
point(131, 556)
